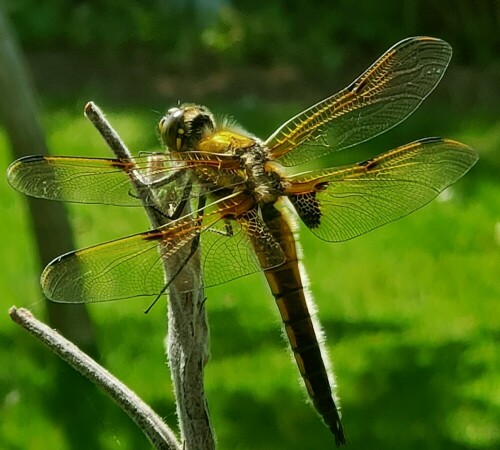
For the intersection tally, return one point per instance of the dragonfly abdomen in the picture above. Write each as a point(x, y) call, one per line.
point(302, 335)
point(286, 286)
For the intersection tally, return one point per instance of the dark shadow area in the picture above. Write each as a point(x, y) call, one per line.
point(227, 324)
point(337, 330)
point(408, 397)
point(280, 422)
point(70, 403)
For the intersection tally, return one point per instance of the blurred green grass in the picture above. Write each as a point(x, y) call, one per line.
point(410, 312)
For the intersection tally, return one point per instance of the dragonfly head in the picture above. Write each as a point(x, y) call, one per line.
point(183, 127)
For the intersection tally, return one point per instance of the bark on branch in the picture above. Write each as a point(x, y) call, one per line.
point(187, 340)
point(146, 419)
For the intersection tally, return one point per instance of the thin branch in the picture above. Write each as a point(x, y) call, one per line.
point(146, 419)
point(118, 147)
point(187, 340)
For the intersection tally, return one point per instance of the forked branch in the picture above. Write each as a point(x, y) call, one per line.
point(187, 343)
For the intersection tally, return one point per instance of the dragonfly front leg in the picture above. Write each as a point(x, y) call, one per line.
point(170, 192)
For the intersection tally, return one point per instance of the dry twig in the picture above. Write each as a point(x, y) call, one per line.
point(146, 419)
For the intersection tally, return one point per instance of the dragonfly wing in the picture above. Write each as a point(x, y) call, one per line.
point(134, 266)
point(73, 179)
point(123, 268)
point(90, 180)
point(233, 249)
point(384, 95)
point(342, 203)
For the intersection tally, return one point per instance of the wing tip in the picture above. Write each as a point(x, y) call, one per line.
point(464, 149)
point(429, 39)
point(18, 169)
point(51, 277)
point(22, 161)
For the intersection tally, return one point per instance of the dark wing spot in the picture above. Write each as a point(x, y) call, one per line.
point(153, 235)
point(122, 164)
point(357, 86)
point(368, 164)
point(307, 208)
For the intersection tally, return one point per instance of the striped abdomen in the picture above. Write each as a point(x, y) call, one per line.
point(286, 286)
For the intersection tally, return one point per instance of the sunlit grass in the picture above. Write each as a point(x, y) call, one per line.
point(410, 313)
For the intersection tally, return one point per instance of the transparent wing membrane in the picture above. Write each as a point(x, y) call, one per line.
point(342, 203)
point(123, 268)
point(101, 180)
point(229, 252)
point(388, 92)
point(133, 266)
point(75, 179)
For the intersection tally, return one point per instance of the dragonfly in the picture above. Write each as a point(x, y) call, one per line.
point(244, 191)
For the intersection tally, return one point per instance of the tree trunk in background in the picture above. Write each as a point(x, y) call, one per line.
point(49, 221)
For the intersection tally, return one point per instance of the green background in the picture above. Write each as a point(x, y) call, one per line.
point(410, 311)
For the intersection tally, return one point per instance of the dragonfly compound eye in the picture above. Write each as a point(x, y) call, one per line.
point(172, 129)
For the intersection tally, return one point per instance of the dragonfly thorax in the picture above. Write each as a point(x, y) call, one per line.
point(190, 130)
point(264, 185)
